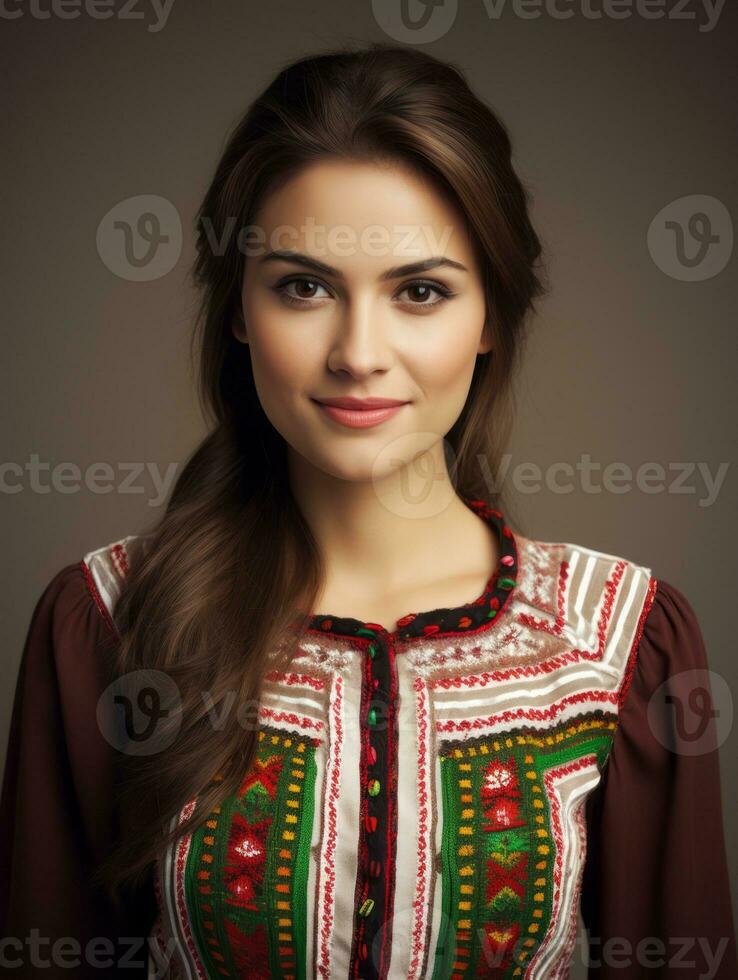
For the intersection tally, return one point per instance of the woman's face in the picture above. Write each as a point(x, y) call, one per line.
point(335, 305)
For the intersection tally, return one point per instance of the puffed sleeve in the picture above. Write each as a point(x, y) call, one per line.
point(655, 891)
point(57, 811)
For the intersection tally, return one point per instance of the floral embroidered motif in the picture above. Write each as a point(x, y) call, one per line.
point(249, 919)
point(499, 855)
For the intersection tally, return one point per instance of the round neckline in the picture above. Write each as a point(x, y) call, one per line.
point(470, 617)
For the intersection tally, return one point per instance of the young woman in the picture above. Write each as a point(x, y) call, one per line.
point(238, 748)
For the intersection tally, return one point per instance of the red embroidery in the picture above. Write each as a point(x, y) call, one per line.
point(366, 820)
point(532, 714)
point(500, 796)
point(184, 920)
point(243, 874)
point(391, 847)
point(291, 718)
point(266, 773)
point(611, 587)
point(251, 951)
point(292, 679)
point(605, 612)
point(120, 559)
point(328, 865)
point(485, 678)
point(633, 655)
point(97, 598)
point(420, 902)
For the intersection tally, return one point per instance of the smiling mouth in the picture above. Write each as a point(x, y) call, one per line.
point(372, 411)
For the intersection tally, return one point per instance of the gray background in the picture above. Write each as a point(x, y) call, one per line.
point(611, 121)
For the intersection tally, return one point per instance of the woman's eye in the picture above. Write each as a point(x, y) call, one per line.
point(420, 293)
point(305, 290)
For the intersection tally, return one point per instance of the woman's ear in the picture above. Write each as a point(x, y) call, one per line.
point(485, 341)
point(238, 326)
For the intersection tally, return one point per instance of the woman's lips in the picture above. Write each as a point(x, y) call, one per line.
point(360, 418)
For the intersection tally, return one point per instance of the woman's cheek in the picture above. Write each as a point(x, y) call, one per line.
point(445, 382)
point(281, 362)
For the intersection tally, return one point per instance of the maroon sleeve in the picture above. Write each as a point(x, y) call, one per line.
point(57, 812)
point(655, 893)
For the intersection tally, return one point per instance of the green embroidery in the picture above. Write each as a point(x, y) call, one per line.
point(446, 948)
point(302, 864)
point(498, 849)
point(247, 868)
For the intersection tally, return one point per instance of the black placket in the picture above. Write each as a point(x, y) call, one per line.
point(375, 885)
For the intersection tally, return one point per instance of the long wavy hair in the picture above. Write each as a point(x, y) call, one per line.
point(232, 565)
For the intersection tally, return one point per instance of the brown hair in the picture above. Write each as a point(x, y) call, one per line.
point(232, 563)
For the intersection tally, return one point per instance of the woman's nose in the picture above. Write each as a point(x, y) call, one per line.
point(361, 343)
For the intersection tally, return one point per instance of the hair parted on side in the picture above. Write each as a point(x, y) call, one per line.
point(231, 564)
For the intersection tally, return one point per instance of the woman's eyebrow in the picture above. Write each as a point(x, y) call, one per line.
point(411, 268)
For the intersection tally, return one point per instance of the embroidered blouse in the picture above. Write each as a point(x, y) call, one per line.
point(437, 801)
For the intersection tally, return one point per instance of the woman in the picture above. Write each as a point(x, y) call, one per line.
point(234, 738)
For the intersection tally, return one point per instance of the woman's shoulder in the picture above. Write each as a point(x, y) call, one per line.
point(58, 803)
point(106, 568)
point(96, 577)
point(669, 649)
point(608, 603)
point(73, 604)
point(74, 611)
point(537, 553)
point(582, 587)
point(551, 567)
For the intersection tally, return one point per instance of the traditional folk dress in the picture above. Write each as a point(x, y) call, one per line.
point(437, 801)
